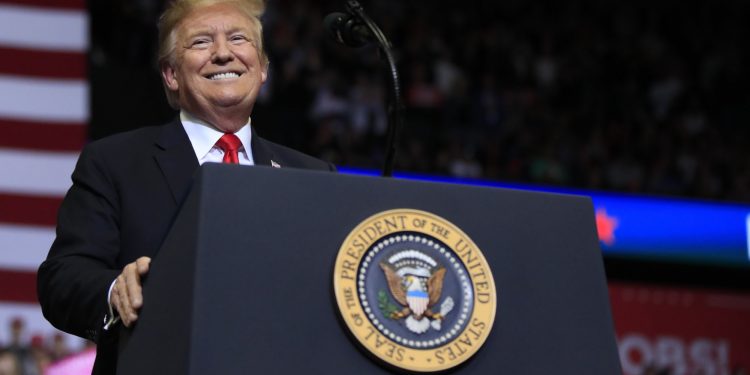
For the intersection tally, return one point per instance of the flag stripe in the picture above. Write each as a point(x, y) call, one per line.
point(18, 209)
point(44, 110)
point(44, 99)
point(42, 135)
point(36, 172)
point(60, 4)
point(22, 286)
point(27, 62)
point(24, 247)
point(43, 28)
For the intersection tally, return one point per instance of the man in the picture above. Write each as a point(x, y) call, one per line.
point(127, 188)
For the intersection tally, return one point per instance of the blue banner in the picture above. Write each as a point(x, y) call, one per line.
point(649, 227)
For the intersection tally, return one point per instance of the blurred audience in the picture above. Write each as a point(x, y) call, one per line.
point(33, 355)
point(9, 363)
point(635, 96)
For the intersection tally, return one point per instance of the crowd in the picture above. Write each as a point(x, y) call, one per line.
point(636, 96)
point(640, 97)
point(25, 354)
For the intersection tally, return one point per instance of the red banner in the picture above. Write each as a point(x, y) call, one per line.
point(680, 331)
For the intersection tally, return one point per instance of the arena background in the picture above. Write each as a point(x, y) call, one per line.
point(638, 99)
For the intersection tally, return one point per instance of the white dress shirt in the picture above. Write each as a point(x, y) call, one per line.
point(203, 137)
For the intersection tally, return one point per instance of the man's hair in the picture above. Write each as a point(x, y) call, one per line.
point(177, 10)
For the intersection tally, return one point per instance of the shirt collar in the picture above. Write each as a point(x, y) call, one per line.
point(203, 136)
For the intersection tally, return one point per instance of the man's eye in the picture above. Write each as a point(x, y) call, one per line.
point(200, 43)
point(238, 38)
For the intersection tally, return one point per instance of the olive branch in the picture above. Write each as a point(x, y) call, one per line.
point(384, 304)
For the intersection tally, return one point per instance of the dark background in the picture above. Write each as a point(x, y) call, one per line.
point(632, 96)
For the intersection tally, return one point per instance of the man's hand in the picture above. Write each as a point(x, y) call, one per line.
point(126, 293)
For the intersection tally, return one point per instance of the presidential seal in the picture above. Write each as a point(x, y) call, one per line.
point(414, 290)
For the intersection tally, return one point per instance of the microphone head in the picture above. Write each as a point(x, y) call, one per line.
point(345, 29)
point(333, 23)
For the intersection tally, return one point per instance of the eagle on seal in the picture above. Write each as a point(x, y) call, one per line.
point(417, 294)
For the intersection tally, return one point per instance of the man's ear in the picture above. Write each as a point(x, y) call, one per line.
point(169, 76)
point(264, 74)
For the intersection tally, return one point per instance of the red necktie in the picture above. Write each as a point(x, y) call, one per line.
point(229, 143)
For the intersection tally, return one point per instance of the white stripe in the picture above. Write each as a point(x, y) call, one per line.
point(63, 100)
point(22, 247)
point(34, 325)
point(38, 28)
point(36, 172)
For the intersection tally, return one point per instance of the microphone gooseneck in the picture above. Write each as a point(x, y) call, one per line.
point(355, 29)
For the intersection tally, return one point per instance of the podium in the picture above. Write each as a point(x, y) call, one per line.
point(244, 280)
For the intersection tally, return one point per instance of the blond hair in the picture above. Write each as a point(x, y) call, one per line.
point(177, 10)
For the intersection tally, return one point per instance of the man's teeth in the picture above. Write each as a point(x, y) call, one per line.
point(223, 76)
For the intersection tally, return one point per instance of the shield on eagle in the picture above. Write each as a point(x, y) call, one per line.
point(415, 281)
point(417, 300)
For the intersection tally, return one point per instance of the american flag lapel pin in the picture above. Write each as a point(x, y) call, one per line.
point(275, 164)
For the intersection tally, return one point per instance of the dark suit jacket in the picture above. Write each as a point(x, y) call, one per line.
point(126, 192)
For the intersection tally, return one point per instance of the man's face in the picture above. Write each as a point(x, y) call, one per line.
point(217, 67)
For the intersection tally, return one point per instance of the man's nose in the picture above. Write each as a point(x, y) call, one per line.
point(222, 52)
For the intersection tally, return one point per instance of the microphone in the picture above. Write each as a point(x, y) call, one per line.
point(356, 29)
point(347, 29)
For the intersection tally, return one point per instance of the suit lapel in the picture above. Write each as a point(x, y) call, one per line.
point(176, 158)
point(262, 154)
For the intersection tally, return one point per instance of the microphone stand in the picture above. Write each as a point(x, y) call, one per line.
point(395, 104)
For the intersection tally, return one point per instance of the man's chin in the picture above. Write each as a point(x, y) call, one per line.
point(229, 106)
point(230, 100)
point(219, 105)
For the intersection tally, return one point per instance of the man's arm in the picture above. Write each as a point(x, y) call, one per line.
point(73, 282)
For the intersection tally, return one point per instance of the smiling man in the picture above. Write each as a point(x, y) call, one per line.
point(128, 188)
point(212, 62)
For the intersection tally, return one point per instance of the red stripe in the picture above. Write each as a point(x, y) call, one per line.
point(42, 135)
point(18, 286)
point(50, 64)
point(62, 4)
point(20, 209)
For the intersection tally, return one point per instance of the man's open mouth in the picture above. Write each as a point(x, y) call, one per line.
point(225, 75)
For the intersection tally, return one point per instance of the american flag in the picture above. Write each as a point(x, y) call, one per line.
point(44, 109)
